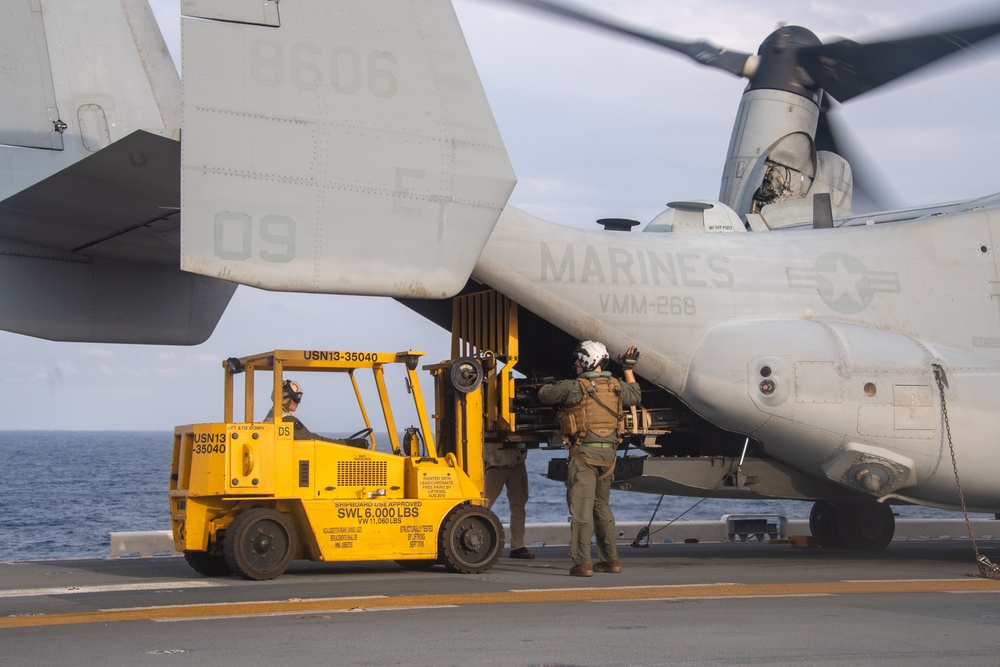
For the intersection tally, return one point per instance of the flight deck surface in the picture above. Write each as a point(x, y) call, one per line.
point(719, 604)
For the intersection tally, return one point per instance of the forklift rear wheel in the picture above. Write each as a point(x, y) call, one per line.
point(259, 543)
point(421, 564)
point(471, 539)
point(209, 565)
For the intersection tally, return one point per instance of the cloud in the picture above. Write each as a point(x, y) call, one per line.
point(96, 352)
point(132, 371)
point(169, 371)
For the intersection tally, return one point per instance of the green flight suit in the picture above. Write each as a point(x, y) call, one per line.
point(589, 474)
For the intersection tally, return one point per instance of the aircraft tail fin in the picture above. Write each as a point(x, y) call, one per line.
point(80, 75)
point(342, 147)
point(90, 178)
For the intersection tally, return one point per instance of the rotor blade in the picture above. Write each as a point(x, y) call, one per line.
point(846, 69)
point(871, 189)
point(702, 52)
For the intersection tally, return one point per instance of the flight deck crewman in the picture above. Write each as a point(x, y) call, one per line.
point(591, 407)
point(506, 467)
point(291, 396)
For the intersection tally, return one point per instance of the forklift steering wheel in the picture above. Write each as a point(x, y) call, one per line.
point(360, 435)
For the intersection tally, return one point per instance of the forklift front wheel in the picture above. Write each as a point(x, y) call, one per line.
point(209, 565)
point(471, 539)
point(259, 543)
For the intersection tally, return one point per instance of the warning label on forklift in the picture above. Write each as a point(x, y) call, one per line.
point(436, 486)
point(367, 513)
point(343, 537)
point(416, 534)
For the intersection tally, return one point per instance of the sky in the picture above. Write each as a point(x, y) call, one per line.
point(596, 126)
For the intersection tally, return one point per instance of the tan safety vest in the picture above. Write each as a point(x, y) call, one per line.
point(599, 412)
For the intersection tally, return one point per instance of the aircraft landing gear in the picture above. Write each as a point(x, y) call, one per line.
point(846, 524)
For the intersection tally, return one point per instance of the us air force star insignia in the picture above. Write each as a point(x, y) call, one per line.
point(843, 282)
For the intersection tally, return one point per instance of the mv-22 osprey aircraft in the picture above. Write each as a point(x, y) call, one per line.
point(348, 147)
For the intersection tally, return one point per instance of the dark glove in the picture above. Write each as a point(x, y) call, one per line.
point(629, 359)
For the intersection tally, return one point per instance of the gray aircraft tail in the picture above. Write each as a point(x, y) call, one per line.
point(338, 147)
point(90, 178)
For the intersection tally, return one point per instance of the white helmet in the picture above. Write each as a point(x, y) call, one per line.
point(290, 391)
point(591, 354)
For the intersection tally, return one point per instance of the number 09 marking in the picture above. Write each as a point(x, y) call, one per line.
point(235, 238)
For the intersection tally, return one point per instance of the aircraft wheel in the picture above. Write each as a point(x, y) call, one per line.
point(866, 526)
point(471, 539)
point(259, 543)
point(824, 525)
point(209, 565)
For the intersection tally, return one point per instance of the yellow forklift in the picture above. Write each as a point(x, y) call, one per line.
point(248, 497)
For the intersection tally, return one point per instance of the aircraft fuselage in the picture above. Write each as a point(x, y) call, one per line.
point(804, 339)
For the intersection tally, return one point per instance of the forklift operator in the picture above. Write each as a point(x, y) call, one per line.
point(291, 396)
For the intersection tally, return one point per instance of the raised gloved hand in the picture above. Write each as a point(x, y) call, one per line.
point(629, 358)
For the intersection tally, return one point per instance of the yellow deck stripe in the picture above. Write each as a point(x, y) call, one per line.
point(509, 597)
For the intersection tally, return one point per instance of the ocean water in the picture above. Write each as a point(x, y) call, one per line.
point(63, 492)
